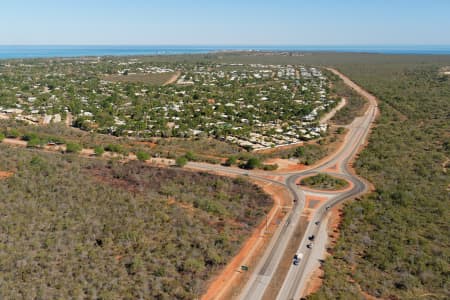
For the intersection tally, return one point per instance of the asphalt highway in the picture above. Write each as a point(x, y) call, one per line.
point(336, 165)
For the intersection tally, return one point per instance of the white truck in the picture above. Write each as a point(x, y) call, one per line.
point(297, 258)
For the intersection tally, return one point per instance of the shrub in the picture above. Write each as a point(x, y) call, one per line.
point(2, 137)
point(340, 130)
point(73, 148)
point(13, 133)
point(252, 163)
point(34, 143)
point(181, 161)
point(99, 150)
point(190, 156)
point(230, 161)
point(142, 155)
point(116, 149)
point(269, 167)
point(30, 136)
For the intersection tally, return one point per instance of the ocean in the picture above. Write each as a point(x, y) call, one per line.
point(9, 52)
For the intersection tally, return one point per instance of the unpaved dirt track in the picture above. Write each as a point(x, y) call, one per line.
point(173, 79)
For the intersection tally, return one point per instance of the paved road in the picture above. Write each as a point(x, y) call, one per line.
point(337, 165)
point(339, 162)
point(297, 276)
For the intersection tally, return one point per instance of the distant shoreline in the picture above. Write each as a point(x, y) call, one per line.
point(75, 51)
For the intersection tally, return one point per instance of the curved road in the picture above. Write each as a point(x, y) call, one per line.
point(338, 165)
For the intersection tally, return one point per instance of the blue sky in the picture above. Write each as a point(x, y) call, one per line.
point(225, 22)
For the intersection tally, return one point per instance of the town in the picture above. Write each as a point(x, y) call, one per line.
point(255, 106)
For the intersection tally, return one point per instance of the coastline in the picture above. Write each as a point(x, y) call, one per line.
point(75, 51)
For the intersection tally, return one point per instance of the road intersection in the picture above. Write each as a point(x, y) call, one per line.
point(338, 164)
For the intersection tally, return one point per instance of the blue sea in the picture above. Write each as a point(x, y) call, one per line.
point(8, 52)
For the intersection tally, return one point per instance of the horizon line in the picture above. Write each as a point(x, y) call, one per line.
point(232, 45)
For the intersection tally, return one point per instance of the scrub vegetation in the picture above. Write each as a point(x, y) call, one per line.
point(394, 242)
point(75, 228)
point(324, 182)
point(78, 228)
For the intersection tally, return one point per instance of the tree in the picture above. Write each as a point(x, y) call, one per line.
point(181, 161)
point(2, 137)
point(142, 155)
point(252, 163)
point(299, 152)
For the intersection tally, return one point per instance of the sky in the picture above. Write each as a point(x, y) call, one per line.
point(225, 22)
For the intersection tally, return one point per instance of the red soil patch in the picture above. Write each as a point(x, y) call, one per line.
point(232, 279)
point(285, 165)
point(315, 282)
point(4, 175)
point(189, 207)
point(334, 222)
point(151, 145)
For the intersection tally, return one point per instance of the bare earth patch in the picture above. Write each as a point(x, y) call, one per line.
point(286, 165)
point(4, 175)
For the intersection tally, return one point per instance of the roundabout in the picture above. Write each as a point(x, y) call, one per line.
point(324, 183)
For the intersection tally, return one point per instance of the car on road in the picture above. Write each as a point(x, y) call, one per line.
point(317, 222)
point(311, 238)
point(310, 245)
point(297, 258)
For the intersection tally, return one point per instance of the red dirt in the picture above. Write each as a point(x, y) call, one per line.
point(334, 222)
point(231, 278)
point(149, 144)
point(315, 282)
point(189, 207)
point(285, 165)
point(4, 174)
